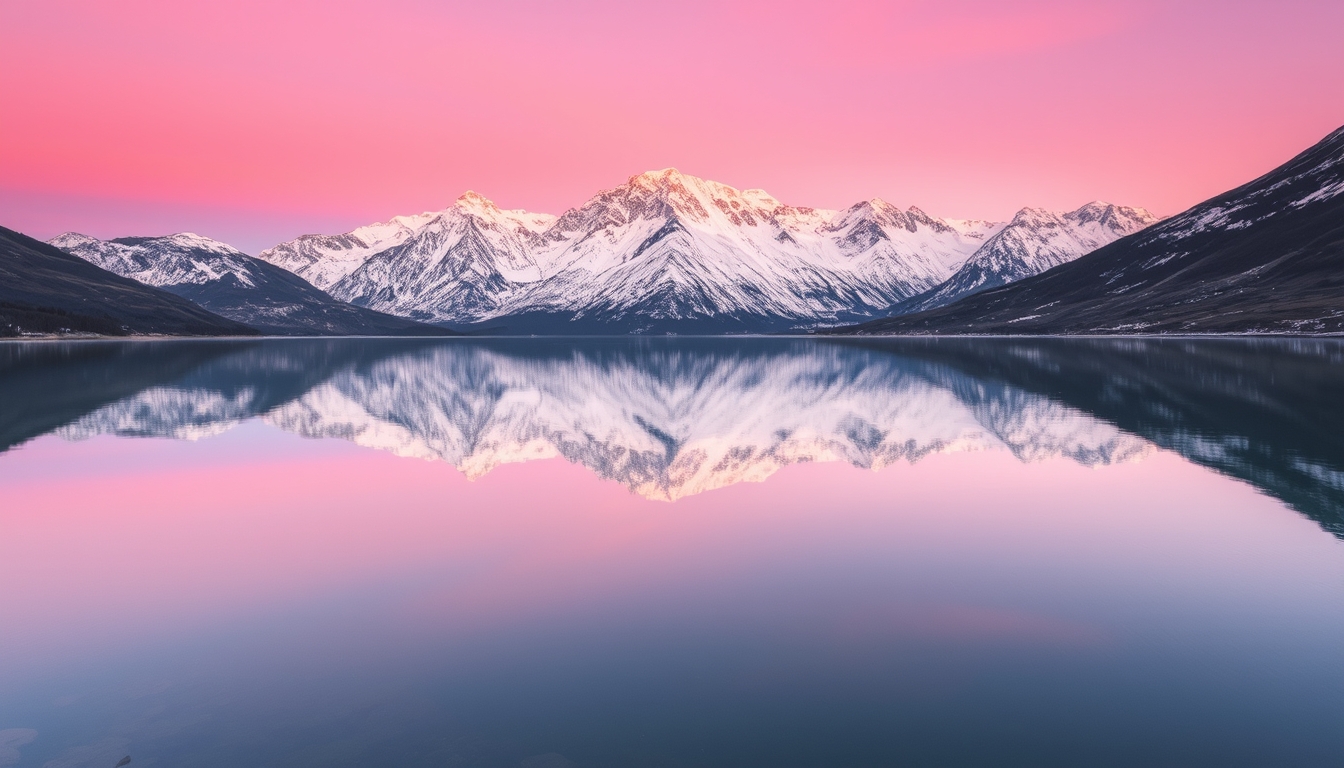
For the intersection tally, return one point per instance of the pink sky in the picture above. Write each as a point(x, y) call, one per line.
point(254, 122)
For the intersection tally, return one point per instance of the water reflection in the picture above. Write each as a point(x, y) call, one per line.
point(671, 418)
point(1043, 572)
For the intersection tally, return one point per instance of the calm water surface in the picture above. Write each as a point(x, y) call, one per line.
point(552, 553)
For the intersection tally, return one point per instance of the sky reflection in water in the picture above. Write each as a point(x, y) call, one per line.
point(671, 553)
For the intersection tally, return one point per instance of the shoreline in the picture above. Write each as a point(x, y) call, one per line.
point(782, 336)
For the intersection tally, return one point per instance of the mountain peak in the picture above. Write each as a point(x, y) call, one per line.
point(668, 180)
point(183, 258)
point(1032, 216)
point(879, 205)
point(1096, 205)
point(761, 198)
point(694, 195)
point(194, 240)
point(877, 211)
point(1096, 210)
point(671, 179)
point(873, 204)
point(663, 174)
point(182, 241)
point(1114, 216)
point(71, 239)
point(1118, 216)
point(472, 200)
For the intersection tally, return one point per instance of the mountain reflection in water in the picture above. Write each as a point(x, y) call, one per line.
point(1043, 572)
point(668, 418)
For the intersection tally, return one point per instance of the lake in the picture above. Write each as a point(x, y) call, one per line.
point(553, 553)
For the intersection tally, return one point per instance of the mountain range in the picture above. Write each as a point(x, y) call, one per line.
point(232, 284)
point(669, 252)
point(1034, 241)
point(44, 290)
point(1266, 257)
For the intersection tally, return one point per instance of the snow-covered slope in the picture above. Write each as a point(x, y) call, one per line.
point(1034, 241)
point(663, 251)
point(456, 265)
point(45, 290)
point(231, 283)
point(1262, 258)
point(181, 259)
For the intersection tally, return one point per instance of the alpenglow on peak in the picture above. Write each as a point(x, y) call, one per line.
point(663, 252)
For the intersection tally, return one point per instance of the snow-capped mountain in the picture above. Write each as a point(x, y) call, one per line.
point(45, 290)
point(664, 251)
point(232, 284)
point(1034, 241)
point(1265, 257)
point(181, 259)
point(453, 265)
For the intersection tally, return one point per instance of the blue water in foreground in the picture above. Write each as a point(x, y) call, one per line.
point(642, 552)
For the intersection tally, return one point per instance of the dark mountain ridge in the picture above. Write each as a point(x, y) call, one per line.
point(1267, 257)
point(1032, 243)
point(230, 283)
point(45, 290)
